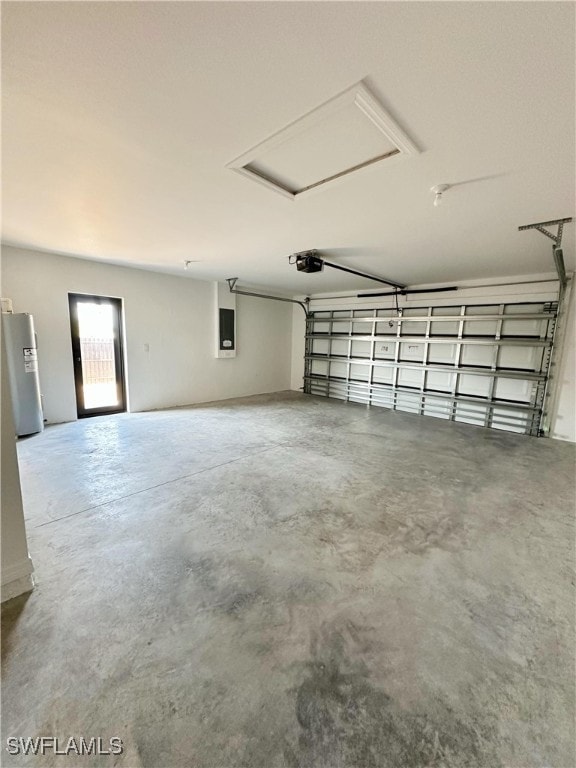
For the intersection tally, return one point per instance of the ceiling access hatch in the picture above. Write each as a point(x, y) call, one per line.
point(342, 136)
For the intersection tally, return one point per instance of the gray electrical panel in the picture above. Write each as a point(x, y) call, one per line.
point(22, 363)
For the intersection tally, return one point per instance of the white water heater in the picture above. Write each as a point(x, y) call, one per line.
point(22, 363)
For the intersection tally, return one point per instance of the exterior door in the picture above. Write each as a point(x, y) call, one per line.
point(96, 329)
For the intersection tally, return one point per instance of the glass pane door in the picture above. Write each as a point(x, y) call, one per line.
point(95, 323)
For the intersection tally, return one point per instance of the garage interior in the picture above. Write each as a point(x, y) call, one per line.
point(295, 486)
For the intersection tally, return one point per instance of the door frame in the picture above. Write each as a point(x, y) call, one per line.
point(82, 411)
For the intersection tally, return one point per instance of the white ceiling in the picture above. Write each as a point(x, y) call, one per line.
point(120, 118)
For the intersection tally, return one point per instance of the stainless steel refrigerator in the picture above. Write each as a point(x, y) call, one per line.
point(22, 363)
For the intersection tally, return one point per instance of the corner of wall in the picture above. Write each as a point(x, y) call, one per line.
point(15, 587)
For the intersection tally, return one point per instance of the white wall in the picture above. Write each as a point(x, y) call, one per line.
point(173, 315)
point(16, 575)
point(527, 288)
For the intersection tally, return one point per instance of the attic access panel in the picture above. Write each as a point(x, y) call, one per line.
point(344, 135)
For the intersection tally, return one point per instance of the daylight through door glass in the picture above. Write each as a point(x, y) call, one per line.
point(96, 328)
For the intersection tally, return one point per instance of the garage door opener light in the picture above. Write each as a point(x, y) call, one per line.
point(310, 261)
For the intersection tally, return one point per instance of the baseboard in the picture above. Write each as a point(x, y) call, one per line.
point(17, 579)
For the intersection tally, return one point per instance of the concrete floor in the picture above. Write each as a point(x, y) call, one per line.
point(291, 581)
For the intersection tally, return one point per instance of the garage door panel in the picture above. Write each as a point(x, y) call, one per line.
point(444, 329)
point(442, 353)
point(361, 348)
point(439, 408)
point(320, 346)
point(491, 361)
point(339, 347)
point(407, 403)
point(413, 329)
point(480, 328)
point(385, 350)
point(528, 328)
point(477, 355)
point(513, 389)
point(386, 327)
point(518, 421)
point(440, 381)
point(413, 351)
point(383, 375)
point(470, 414)
point(524, 358)
point(320, 367)
point(339, 369)
point(360, 372)
point(408, 377)
point(474, 386)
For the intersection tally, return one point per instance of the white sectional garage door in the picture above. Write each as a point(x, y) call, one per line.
point(483, 364)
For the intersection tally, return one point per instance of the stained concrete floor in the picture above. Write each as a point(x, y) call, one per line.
point(290, 581)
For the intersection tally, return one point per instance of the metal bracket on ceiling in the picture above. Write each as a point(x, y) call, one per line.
point(557, 240)
point(232, 286)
